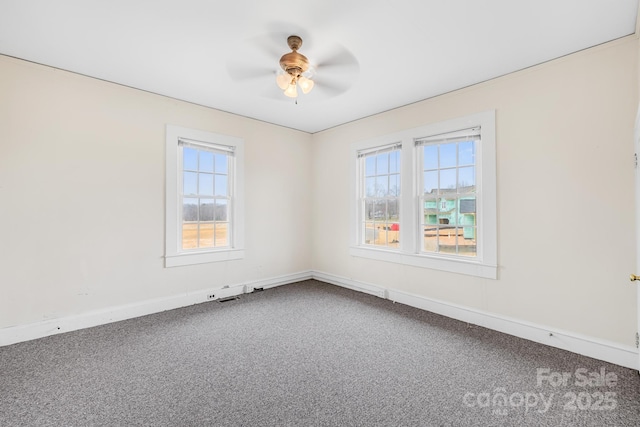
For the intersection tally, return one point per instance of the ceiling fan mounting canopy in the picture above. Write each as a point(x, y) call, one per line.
point(294, 63)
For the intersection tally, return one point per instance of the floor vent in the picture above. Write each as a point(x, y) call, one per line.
point(228, 298)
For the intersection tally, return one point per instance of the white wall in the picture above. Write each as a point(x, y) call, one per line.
point(82, 196)
point(565, 195)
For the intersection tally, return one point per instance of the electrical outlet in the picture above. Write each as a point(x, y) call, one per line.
point(211, 296)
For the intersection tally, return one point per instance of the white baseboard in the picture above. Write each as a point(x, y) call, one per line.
point(618, 354)
point(350, 284)
point(16, 334)
point(626, 356)
point(277, 281)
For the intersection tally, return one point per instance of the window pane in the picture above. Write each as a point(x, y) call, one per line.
point(206, 209)
point(394, 161)
point(466, 179)
point(370, 191)
point(370, 165)
point(380, 213)
point(189, 236)
point(222, 234)
point(430, 182)
point(430, 238)
point(382, 185)
point(205, 184)
point(467, 244)
point(394, 185)
point(222, 163)
point(393, 235)
point(190, 183)
point(447, 180)
point(448, 155)
point(430, 156)
point(206, 236)
point(370, 233)
point(369, 209)
point(467, 153)
point(190, 209)
point(447, 220)
point(221, 186)
point(206, 161)
point(383, 237)
point(468, 207)
point(393, 210)
point(382, 163)
point(447, 239)
point(189, 159)
point(430, 212)
point(221, 210)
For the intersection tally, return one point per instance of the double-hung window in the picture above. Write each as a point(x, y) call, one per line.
point(426, 197)
point(448, 192)
point(379, 196)
point(204, 199)
point(206, 194)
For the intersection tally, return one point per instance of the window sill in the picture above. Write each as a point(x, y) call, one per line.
point(460, 266)
point(179, 260)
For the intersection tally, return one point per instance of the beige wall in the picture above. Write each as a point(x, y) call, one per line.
point(565, 195)
point(82, 196)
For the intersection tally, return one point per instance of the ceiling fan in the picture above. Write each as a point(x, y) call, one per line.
point(330, 69)
point(294, 64)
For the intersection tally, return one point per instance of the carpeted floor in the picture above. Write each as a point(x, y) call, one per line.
point(306, 354)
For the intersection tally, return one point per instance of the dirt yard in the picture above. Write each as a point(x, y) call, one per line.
point(207, 235)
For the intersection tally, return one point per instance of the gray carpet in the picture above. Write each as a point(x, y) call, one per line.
point(305, 354)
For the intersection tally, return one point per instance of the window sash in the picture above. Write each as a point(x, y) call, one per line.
point(455, 137)
point(389, 232)
point(227, 151)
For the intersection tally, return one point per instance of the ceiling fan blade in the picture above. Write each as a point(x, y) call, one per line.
point(242, 72)
point(339, 56)
point(331, 87)
point(270, 45)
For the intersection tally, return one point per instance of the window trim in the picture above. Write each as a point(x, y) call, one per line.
point(485, 265)
point(174, 256)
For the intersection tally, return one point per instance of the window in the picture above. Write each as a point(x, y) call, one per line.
point(204, 203)
point(380, 196)
point(443, 213)
point(207, 172)
point(447, 179)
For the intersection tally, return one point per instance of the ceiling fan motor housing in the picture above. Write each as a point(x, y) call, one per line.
point(294, 63)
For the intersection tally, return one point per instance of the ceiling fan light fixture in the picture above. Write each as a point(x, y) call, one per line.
point(305, 84)
point(292, 90)
point(283, 80)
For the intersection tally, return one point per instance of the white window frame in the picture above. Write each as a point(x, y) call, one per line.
point(410, 252)
point(175, 256)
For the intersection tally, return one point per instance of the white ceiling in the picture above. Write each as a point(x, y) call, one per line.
point(224, 54)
